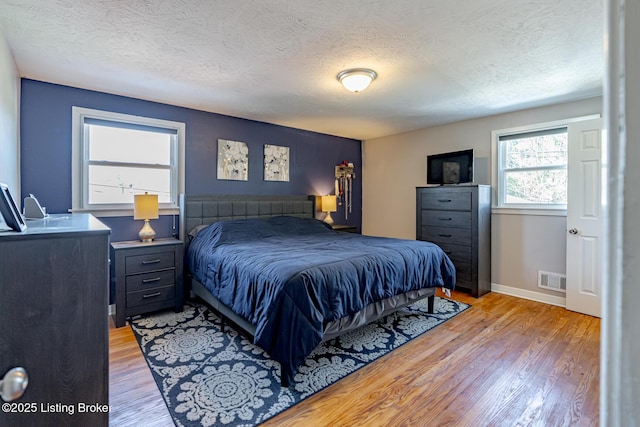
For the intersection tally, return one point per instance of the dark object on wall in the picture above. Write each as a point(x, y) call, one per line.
point(450, 168)
point(458, 219)
point(10, 211)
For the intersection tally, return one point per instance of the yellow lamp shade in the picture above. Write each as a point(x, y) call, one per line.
point(328, 203)
point(145, 206)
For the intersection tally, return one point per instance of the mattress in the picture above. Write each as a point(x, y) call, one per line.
point(290, 277)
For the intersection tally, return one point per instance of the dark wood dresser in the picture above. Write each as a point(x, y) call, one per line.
point(54, 315)
point(458, 219)
point(147, 276)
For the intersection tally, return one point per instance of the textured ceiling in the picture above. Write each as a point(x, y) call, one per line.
point(276, 60)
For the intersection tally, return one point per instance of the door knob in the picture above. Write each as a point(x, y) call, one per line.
point(573, 230)
point(13, 384)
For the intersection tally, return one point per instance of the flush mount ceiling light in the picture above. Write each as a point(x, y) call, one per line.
point(356, 79)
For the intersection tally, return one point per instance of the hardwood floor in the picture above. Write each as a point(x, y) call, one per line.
point(504, 362)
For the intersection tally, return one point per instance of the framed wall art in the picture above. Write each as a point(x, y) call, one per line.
point(233, 160)
point(276, 163)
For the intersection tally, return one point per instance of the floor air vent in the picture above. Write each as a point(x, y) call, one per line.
point(552, 281)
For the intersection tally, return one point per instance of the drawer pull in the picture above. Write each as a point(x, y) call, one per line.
point(444, 235)
point(155, 294)
point(444, 200)
point(155, 279)
point(445, 219)
point(151, 261)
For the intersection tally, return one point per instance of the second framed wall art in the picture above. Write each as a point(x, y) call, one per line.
point(276, 163)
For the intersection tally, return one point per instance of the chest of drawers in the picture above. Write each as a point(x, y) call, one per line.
point(53, 305)
point(458, 219)
point(147, 276)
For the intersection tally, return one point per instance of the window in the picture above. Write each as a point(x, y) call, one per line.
point(532, 168)
point(531, 171)
point(116, 156)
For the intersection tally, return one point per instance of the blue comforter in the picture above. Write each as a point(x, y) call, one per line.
point(289, 276)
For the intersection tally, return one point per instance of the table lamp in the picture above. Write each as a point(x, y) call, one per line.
point(145, 206)
point(328, 206)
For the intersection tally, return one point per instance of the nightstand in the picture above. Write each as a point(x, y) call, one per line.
point(147, 276)
point(345, 228)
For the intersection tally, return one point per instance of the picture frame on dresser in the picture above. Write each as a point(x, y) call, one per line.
point(9, 209)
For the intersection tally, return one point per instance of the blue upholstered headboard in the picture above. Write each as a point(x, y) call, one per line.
point(207, 209)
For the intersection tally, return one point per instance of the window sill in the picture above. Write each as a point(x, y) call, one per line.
point(120, 212)
point(529, 211)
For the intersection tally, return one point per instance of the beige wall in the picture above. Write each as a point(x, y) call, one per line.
point(9, 121)
point(521, 244)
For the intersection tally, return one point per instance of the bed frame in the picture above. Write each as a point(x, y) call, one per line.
point(198, 210)
point(209, 209)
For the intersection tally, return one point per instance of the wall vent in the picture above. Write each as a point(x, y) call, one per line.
point(552, 281)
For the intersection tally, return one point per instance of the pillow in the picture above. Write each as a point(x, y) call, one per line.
point(195, 230)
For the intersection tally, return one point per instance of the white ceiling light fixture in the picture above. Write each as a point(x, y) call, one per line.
point(356, 79)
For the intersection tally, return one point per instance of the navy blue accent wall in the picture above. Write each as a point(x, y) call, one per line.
point(45, 152)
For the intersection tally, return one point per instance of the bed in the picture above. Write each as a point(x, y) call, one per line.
point(289, 281)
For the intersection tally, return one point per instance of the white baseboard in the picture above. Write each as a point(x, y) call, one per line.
point(530, 295)
point(112, 309)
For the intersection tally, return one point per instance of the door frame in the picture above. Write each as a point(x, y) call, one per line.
point(620, 344)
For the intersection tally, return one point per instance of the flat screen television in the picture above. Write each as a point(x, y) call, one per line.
point(450, 168)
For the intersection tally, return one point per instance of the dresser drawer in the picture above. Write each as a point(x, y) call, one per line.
point(149, 262)
point(457, 253)
point(458, 236)
point(150, 296)
point(464, 285)
point(446, 218)
point(443, 200)
point(154, 279)
point(463, 272)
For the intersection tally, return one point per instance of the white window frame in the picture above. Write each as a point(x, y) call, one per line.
point(80, 162)
point(497, 174)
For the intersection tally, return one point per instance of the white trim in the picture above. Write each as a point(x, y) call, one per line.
point(77, 163)
point(112, 310)
point(122, 212)
point(530, 295)
point(529, 211)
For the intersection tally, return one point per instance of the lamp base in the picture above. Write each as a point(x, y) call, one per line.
point(328, 219)
point(147, 234)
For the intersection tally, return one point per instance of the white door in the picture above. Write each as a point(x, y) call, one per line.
point(585, 218)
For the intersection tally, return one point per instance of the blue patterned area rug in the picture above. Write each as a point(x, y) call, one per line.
point(213, 376)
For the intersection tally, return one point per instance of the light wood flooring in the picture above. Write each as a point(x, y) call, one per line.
point(504, 362)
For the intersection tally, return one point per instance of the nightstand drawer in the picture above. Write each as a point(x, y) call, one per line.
point(446, 218)
point(150, 296)
point(149, 262)
point(155, 279)
point(459, 236)
point(445, 200)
